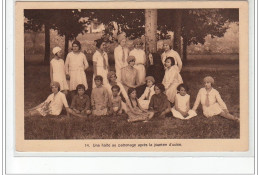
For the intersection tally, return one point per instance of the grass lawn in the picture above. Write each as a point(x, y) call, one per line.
point(37, 89)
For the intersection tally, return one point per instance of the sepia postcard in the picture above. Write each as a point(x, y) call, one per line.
point(132, 76)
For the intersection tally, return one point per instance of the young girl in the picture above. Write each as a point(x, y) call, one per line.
point(212, 103)
point(144, 100)
point(75, 65)
point(140, 61)
point(159, 103)
point(80, 103)
point(53, 104)
point(100, 61)
point(99, 98)
point(57, 70)
point(115, 101)
point(181, 109)
point(136, 112)
point(172, 79)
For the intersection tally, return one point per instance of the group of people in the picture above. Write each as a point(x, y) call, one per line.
point(114, 92)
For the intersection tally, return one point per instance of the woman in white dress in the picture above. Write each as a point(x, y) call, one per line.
point(140, 60)
point(120, 54)
point(75, 65)
point(57, 70)
point(169, 52)
point(100, 61)
point(171, 79)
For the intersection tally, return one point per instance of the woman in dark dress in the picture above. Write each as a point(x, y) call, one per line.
point(156, 68)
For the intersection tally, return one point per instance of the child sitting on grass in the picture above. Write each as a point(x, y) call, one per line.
point(135, 111)
point(80, 103)
point(99, 98)
point(144, 100)
point(115, 101)
point(53, 104)
point(212, 103)
point(159, 103)
point(181, 109)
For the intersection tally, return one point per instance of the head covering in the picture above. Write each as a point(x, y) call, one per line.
point(121, 37)
point(109, 74)
point(137, 41)
point(209, 79)
point(55, 83)
point(56, 50)
point(168, 42)
point(130, 58)
point(150, 78)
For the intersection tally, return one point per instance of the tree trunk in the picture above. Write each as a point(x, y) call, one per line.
point(47, 44)
point(66, 48)
point(177, 31)
point(150, 30)
point(185, 44)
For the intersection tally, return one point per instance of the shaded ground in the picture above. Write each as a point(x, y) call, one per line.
point(227, 83)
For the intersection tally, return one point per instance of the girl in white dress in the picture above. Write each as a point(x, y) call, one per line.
point(53, 104)
point(169, 52)
point(140, 60)
point(172, 79)
point(100, 62)
point(144, 100)
point(57, 70)
point(211, 101)
point(181, 109)
point(121, 53)
point(75, 65)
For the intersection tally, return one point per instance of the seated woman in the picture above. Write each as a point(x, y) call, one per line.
point(159, 103)
point(112, 80)
point(129, 75)
point(144, 100)
point(53, 104)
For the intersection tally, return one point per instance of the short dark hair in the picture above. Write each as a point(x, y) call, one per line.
point(77, 43)
point(115, 87)
point(172, 60)
point(98, 77)
point(160, 86)
point(80, 86)
point(184, 86)
point(99, 42)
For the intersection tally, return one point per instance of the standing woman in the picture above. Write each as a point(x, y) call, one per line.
point(156, 67)
point(169, 52)
point(100, 61)
point(120, 54)
point(129, 74)
point(140, 59)
point(75, 65)
point(57, 70)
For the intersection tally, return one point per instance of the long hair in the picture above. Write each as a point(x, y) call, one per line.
point(130, 90)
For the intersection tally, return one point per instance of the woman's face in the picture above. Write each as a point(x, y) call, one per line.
point(75, 48)
point(113, 78)
point(207, 84)
point(81, 92)
point(149, 83)
point(133, 94)
point(157, 90)
point(166, 47)
point(138, 46)
point(132, 63)
point(103, 46)
point(123, 42)
point(150, 58)
point(59, 54)
point(54, 89)
point(168, 63)
point(183, 91)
